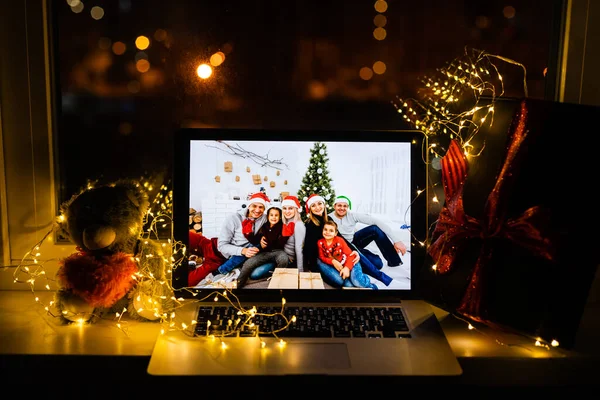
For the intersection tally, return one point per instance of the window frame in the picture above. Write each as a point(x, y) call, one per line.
point(28, 185)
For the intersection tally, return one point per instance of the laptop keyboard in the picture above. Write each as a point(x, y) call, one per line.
point(311, 322)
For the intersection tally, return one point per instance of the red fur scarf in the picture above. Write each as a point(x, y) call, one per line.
point(101, 282)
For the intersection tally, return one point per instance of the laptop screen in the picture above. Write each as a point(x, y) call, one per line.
point(308, 213)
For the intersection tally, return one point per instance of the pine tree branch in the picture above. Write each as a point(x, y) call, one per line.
point(239, 151)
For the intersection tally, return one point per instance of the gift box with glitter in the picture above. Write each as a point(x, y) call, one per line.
point(510, 246)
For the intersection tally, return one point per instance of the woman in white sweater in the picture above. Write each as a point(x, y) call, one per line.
point(292, 220)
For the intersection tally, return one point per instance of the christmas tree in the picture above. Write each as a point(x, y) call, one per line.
point(316, 179)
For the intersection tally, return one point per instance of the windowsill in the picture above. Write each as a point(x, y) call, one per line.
point(29, 335)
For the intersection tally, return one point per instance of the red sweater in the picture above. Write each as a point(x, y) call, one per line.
point(338, 250)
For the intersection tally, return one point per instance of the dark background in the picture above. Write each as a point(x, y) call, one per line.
point(288, 65)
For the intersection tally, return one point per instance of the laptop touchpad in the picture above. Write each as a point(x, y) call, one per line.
point(306, 357)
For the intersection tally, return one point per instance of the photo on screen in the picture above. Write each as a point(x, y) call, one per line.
point(371, 179)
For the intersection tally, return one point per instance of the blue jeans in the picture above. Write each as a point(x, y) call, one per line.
point(356, 279)
point(233, 262)
point(265, 270)
point(262, 271)
point(366, 235)
point(371, 269)
point(258, 273)
point(278, 257)
point(374, 258)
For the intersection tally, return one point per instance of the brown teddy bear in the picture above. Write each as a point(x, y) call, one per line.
point(115, 269)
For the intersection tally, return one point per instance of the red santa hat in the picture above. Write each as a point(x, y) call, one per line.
point(312, 199)
point(259, 198)
point(291, 201)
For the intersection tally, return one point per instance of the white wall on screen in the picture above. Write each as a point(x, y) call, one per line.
point(375, 176)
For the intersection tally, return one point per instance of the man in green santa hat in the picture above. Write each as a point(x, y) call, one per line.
point(376, 230)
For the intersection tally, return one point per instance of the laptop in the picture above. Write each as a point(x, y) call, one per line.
point(290, 321)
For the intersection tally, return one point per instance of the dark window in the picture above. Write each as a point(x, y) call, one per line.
point(126, 70)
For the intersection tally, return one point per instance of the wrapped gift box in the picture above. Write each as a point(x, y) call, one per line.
point(284, 278)
point(510, 244)
point(311, 280)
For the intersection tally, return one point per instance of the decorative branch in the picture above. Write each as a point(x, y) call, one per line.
point(263, 161)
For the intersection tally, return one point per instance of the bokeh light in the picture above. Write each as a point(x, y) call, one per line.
point(380, 20)
point(381, 6)
point(379, 67)
point(119, 48)
point(509, 12)
point(217, 59)
point(379, 33)
point(365, 73)
point(78, 7)
point(204, 71)
point(142, 42)
point(142, 65)
point(97, 12)
point(317, 90)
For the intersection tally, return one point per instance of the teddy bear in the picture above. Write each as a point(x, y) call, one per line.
point(115, 268)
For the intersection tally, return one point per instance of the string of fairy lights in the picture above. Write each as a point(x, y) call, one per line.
point(450, 107)
point(161, 304)
point(451, 104)
point(32, 268)
point(455, 104)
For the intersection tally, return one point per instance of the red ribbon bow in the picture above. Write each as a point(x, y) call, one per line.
point(454, 227)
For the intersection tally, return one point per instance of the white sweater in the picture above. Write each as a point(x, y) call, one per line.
point(347, 225)
point(231, 240)
point(293, 247)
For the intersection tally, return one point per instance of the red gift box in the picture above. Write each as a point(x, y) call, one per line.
point(511, 244)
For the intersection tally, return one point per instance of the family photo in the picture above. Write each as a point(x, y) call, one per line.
point(300, 215)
